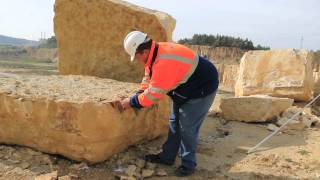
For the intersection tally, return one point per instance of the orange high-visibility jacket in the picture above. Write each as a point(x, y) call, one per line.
point(173, 65)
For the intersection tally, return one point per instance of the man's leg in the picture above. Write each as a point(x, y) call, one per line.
point(191, 116)
point(171, 147)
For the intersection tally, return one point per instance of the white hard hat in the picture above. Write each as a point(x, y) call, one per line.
point(132, 41)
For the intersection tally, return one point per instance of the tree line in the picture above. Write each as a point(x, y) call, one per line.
point(49, 43)
point(221, 41)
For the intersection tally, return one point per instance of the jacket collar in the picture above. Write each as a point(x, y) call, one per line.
point(150, 54)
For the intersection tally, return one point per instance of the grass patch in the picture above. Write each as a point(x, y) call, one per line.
point(28, 66)
point(303, 152)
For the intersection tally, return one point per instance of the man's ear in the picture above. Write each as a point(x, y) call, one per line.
point(146, 51)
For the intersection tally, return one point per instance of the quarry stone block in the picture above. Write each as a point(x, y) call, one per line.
point(228, 75)
point(90, 36)
point(255, 108)
point(72, 116)
point(279, 73)
point(220, 55)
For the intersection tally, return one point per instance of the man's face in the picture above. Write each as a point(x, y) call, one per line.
point(142, 57)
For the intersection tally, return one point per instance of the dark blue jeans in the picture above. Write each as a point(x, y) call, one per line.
point(184, 125)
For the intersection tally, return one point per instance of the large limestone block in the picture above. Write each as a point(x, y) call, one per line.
point(228, 75)
point(73, 116)
point(316, 72)
point(280, 73)
point(255, 108)
point(90, 36)
point(316, 79)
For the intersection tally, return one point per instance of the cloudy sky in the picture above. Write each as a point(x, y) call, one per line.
point(274, 23)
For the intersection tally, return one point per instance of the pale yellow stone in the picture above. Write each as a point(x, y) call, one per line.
point(90, 36)
point(316, 72)
point(49, 176)
point(72, 116)
point(220, 55)
point(279, 73)
point(227, 61)
point(256, 108)
point(228, 75)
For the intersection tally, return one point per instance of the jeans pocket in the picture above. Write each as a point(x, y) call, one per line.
point(178, 98)
point(195, 101)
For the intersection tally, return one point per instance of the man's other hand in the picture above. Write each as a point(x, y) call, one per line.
point(125, 103)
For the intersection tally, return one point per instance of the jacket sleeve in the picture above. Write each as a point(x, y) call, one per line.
point(166, 76)
point(143, 86)
point(145, 81)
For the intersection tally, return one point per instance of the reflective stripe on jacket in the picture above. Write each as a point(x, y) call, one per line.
point(174, 64)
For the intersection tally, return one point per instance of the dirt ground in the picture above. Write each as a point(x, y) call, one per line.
point(221, 155)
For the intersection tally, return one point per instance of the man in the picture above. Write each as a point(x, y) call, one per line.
point(189, 79)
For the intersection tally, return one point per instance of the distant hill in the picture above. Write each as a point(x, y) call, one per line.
point(6, 40)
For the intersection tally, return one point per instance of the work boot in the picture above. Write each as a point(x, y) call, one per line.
point(183, 171)
point(155, 158)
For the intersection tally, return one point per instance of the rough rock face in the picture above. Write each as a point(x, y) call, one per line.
point(72, 116)
point(90, 36)
point(316, 72)
point(228, 75)
point(256, 108)
point(220, 55)
point(316, 78)
point(226, 60)
point(280, 73)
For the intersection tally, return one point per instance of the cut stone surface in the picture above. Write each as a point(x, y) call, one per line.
point(279, 73)
point(72, 116)
point(228, 75)
point(90, 36)
point(256, 108)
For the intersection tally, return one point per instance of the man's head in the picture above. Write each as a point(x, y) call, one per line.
point(138, 45)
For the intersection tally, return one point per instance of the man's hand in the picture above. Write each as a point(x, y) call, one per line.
point(125, 103)
point(121, 105)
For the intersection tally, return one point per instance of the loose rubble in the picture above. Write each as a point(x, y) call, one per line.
point(301, 121)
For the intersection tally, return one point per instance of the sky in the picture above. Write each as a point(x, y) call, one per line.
point(274, 23)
